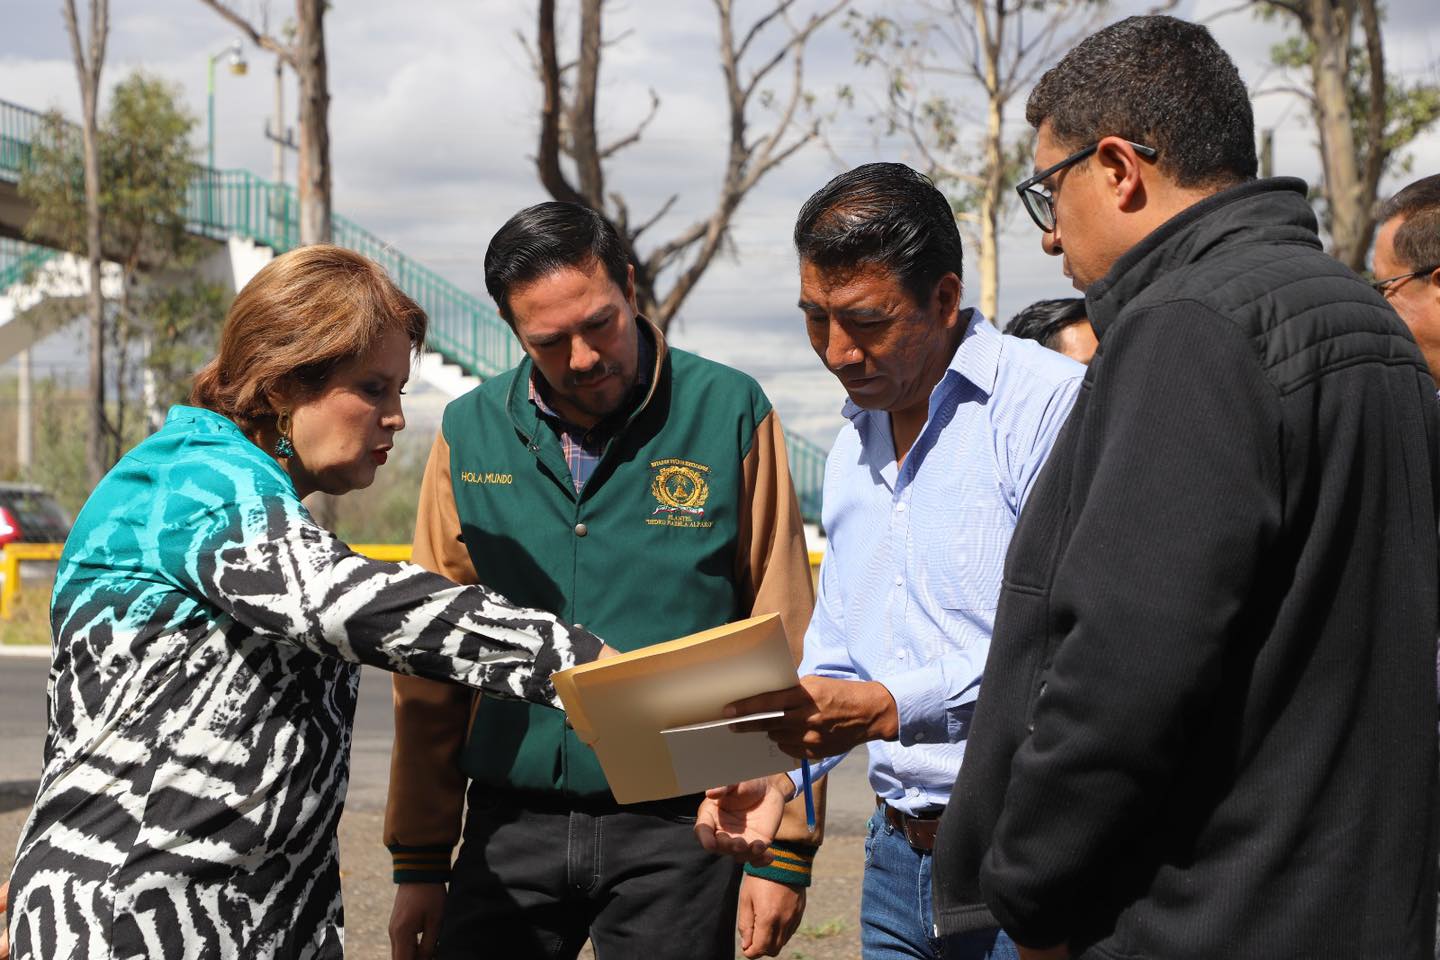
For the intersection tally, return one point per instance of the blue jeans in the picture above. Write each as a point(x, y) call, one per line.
point(896, 918)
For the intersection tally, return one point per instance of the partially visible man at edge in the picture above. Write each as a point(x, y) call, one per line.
point(1059, 325)
point(1208, 721)
point(555, 482)
point(1407, 263)
point(950, 423)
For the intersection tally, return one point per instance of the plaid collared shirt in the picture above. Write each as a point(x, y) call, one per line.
point(583, 446)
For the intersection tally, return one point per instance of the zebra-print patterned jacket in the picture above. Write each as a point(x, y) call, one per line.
point(207, 636)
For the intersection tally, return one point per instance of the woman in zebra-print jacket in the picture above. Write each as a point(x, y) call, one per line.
point(207, 637)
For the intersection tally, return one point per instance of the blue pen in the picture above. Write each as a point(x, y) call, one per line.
point(809, 797)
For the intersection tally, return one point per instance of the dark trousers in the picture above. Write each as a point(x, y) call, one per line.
point(535, 877)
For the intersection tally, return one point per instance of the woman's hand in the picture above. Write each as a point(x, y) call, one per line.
point(4, 927)
point(606, 652)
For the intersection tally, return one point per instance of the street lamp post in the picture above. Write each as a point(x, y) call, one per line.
point(235, 51)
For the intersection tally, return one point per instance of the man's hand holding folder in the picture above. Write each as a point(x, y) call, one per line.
point(822, 716)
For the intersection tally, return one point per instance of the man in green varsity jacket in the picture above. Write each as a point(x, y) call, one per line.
point(643, 492)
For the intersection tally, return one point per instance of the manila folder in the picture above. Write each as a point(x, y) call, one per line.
point(621, 706)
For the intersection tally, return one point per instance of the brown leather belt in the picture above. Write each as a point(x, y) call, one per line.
point(919, 832)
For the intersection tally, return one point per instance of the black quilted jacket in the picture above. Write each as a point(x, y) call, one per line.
point(1207, 727)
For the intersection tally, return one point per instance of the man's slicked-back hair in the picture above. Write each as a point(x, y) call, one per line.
point(1043, 320)
point(547, 237)
point(1158, 81)
point(882, 214)
point(1417, 240)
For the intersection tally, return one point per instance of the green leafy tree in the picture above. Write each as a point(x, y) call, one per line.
point(182, 321)
point(162, 325)
point(1364, 117)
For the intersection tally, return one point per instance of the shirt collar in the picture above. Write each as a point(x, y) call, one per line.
point(976, 359)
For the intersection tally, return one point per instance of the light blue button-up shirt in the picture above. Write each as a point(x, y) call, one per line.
point(911, 575)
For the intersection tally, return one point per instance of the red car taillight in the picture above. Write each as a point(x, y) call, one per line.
point(9, 527)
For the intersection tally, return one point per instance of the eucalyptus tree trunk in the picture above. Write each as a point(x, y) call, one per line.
point(1330, 69)
point(89, 59)
point(992, 200)
point(316, 218)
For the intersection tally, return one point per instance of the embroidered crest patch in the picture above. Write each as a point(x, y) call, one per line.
point(680, 490)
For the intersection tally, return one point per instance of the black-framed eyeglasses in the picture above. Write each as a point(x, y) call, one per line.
point(1040, 203)
point(1382, 287)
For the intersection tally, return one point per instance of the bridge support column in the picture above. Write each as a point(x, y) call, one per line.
point(24, 433)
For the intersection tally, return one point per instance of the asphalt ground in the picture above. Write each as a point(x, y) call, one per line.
point(829, 931)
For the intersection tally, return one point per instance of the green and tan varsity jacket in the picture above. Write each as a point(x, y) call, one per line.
point(689, 521)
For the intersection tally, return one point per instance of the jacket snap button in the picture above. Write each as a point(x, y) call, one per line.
point(581, 529)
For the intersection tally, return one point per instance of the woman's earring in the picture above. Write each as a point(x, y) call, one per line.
point(283, 446)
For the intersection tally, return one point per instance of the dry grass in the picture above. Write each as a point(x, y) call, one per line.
point(30, 625)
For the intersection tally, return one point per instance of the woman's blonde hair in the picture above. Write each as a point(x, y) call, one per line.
point(305, 313)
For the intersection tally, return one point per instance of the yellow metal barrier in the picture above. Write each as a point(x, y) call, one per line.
point(10, 560)
point(14, 554)
point(390, 552)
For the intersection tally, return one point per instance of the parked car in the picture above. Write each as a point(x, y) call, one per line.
point(30, 515)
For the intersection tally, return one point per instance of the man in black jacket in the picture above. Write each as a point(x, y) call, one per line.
point(1407, 263)
point(1207, 727)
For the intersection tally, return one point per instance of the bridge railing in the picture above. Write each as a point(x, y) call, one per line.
point(807, 469)
point(19, 260)
point(18, 127)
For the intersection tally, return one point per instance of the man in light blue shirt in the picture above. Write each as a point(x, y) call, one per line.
point(949, 424)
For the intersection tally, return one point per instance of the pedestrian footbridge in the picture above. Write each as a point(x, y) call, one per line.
point(251, 220)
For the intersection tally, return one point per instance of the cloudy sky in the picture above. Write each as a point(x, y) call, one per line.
point(434, 115)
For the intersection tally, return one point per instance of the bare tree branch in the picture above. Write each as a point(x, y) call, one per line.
point(1307, 95)
point(780, 10)
point(262, 40)
point(663, 255)
point(1295, 7)
point(664, 209)
point(573, 110)
point(770, 153)
point(618, 39)
point(72, 29)
point(531, 53)
point(797, 40)
point(634, 136)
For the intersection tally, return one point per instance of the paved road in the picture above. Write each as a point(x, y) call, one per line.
point(22, 718)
